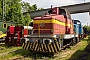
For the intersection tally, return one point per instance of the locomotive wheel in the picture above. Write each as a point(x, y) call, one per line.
point(77, 39)
point(73, 41)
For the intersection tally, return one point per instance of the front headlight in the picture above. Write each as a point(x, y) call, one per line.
point(47, 41)
point(54, 36)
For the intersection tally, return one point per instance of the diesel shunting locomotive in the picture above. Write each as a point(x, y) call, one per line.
point(52, 32)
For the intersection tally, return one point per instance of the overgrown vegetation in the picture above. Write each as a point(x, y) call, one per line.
point(71, 53)
point(7, 53)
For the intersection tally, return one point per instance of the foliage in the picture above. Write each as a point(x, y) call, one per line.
point(27, 19)
point(40, 8)
point(87, 28)
point(14, 11)
point(26, 7)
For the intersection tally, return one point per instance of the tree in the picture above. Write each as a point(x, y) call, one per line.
point(40, 8)
point(27, 19)
point(87, 29)
point(14, 10)
point(14, 13)
point(34, 7)
point(26, 7)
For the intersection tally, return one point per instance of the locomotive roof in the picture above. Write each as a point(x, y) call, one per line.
point(77, 20)
point(48, 16)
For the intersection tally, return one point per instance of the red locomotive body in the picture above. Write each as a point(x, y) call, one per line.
point(50, 32)
point(49, 25)
point(53, 24)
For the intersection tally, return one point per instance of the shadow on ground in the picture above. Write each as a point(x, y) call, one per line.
point(82, 54)
point(25, 53)
point(31, 55)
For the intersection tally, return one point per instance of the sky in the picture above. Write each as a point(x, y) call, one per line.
point(83, 17)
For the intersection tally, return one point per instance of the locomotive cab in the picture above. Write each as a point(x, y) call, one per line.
point(79, 31)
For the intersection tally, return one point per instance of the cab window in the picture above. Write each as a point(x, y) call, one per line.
point(5, 25)
point(69, 17)
point(62, 12)
point(50, 11)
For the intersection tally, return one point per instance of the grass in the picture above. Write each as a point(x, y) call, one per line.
point(6, 53)
point(15, 54)
point(74, 51)
point(4, 48)
point(71, 53)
